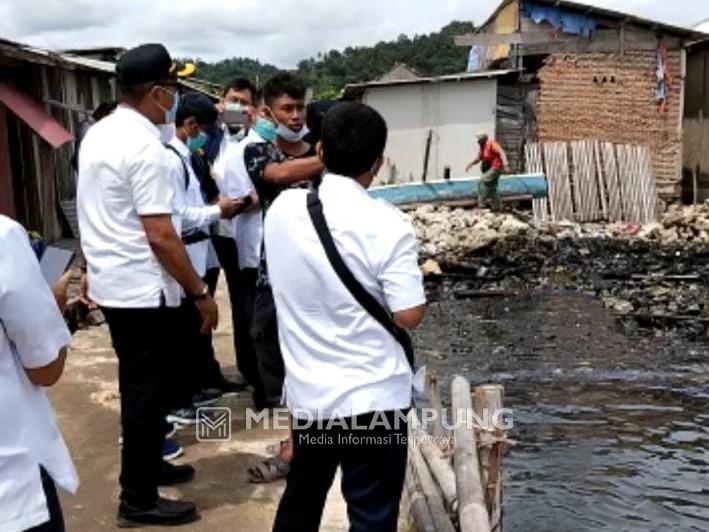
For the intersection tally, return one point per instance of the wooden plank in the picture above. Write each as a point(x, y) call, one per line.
point(534, 163)
point(601, 182)
point(602, 40)
point(625, 179)
point(610, 165)
point(7, 197)
point(557, 157)
point(472, 511)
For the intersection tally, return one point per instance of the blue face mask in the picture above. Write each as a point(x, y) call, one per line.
point(197, 143)
point(266, 130)
point(171, 113)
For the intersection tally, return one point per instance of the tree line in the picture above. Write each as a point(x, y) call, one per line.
point(434, 54)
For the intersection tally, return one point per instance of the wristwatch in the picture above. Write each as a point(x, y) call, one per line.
point(201, 296)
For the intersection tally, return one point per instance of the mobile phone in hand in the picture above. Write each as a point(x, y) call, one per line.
point(55, 262)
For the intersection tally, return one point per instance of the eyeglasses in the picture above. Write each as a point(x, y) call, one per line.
point(172, 89)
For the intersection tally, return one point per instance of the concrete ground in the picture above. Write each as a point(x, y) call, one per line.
point(86, 407)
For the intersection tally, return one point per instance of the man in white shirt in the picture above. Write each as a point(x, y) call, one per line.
point(33, 340)
point(238, 100)
point(201, 371)
point(138, 271)
point(341, 363)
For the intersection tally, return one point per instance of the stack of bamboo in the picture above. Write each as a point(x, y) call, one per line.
point(457, 487)
point(591, 181)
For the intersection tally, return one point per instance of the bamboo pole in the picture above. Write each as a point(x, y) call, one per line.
point(472, 512)
point(434, 499)
point(438, 464)
point(423, 522)
point(434, 402)
point(488, 401)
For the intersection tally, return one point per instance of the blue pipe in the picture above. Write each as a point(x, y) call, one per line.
point(534, 185)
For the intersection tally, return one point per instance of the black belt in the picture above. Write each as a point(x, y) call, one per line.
point(194, 237)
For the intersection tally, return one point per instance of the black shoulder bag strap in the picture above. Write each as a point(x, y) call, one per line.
point(184, 166)
point(364, 298)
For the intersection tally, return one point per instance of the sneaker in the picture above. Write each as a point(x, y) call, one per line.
point(171, 450)
point(164, 512)
point(230, 389)
point(183, 416)
point(206, 398)
point(170, 430)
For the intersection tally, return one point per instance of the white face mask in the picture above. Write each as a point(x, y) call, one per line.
point(289, 135)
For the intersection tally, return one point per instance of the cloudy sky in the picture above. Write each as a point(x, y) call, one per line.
point(276, 31)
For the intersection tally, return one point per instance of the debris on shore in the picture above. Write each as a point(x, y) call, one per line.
point(657, 274)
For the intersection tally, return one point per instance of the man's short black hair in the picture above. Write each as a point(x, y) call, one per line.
point(240, 84)
point(284, 83)
point(353, 137)
point(198, 106)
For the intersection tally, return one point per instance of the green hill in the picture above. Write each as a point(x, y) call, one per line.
point(431, 55)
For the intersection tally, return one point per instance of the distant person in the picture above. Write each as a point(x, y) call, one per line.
point(238, 99)
point(102, 111)
point(139, 271)
point(341, 363)
point(315, 113)
point(494, 163)
point(33, 347)
point(199, 372)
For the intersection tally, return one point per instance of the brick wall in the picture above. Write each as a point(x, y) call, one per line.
point(612, 97)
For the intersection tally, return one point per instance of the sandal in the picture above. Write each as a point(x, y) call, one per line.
point(270, 470)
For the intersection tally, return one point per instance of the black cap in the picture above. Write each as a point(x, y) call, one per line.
point(199, 106)
point(145, 64)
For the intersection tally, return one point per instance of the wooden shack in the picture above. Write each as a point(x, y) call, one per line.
point(44, 97)
point(587, 73)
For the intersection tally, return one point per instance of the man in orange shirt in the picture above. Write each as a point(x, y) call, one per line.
point(494, 164)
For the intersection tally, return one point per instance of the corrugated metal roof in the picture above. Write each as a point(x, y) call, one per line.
point(464, 76)
point(607, 13)
point(41, 55)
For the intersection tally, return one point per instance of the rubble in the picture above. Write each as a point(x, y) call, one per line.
point(657, 273)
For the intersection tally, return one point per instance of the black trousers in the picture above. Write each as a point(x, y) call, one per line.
point(264, 334)
point(210, 372)
point(191, 359)
point(373, 470)
point(245, 356)
point(56, 518)
point(144, 340)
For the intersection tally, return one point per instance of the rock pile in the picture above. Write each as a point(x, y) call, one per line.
point(446, 234)
point(656, 274)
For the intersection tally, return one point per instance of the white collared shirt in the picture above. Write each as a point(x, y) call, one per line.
point(189, 204)
point(338, 358)
point(228, 188)
point(32, 331)
point(124, 174)
point(248, 226)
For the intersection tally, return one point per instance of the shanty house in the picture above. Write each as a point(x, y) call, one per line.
point(432, 121)
point(589, 73)
point(44, 97)
point(695, 183)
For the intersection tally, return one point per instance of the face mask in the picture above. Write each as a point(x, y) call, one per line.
point(197, 143)
point(266, 130)
point(171, 113)
point(289, 135)
point(233, 106)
